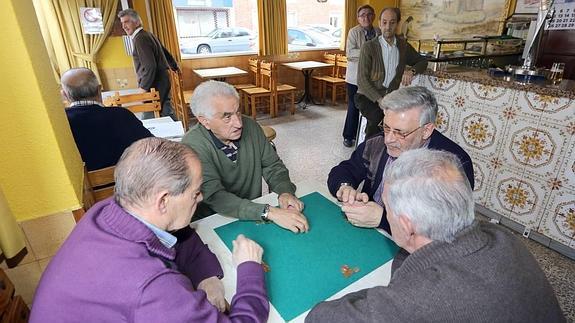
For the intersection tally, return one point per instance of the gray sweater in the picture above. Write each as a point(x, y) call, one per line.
point(485, 275)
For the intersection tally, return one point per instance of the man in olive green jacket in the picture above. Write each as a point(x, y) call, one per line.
point(235, 156)
point(382, 62)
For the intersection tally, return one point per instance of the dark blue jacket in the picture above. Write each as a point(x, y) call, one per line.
point(101, 134)
point(368, 162)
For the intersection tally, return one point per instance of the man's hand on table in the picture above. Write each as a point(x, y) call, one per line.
point(365, 215)
point(214, 291)
point(287, 200)
point(289, 218)
point(348, 195)
point(246, 250)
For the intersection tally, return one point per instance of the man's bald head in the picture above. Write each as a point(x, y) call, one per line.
point(80, 84)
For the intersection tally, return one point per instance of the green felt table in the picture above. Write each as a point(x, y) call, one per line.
point(305, 269)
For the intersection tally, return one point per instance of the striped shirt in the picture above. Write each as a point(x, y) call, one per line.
point(390, 59)
point(230, 150)
point(85, 102)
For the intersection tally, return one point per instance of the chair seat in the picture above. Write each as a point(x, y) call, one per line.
point(269, 132)
point(331, 79)
point(243, 86)
point(256, 90)
point(285, 87)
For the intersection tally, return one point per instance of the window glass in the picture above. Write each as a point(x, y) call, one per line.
point(216, 27)
point(314, 25)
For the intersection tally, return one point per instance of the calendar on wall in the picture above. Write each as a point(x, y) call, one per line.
point(564, 17)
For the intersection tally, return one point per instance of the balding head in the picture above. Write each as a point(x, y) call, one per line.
point(80, 84)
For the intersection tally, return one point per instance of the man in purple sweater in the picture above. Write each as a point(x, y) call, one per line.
point(123, 262)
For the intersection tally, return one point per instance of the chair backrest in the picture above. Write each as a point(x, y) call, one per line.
point(98, 185)
point(341, 65)
point(254, 70)
point(181, 108)
point(267, 75)
point(331, 59)
point(139, 102)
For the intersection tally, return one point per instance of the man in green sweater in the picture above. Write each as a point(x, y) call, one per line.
point(458, 269)
point(235, 155)
point(382, 62)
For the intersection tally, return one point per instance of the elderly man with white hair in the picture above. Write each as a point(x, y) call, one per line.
point(235, 156)
point(459, 269)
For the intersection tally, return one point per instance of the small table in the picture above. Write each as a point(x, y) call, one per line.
point(220, 73)
point(306, 67)
point(206, 230)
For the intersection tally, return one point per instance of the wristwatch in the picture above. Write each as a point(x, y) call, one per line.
point(344, 184)
point(265, 213)
point(413, 71)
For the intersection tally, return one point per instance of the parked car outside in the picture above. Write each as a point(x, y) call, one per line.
point(307, 38)
point(219, 40)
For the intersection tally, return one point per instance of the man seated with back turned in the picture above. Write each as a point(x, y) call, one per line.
point(101, 134)
point(408, 123)
point(459, 269)
point(235, 155)
point(121, 263)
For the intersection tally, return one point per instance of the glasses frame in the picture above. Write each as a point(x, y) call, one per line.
point(399, 135)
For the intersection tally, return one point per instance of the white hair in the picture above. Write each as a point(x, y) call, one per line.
point(412, 97)
point(431, 189)
point(201, 101)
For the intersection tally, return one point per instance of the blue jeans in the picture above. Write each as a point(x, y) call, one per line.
point(352, 117)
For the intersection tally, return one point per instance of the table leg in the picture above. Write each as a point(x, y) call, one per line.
point(307, 97)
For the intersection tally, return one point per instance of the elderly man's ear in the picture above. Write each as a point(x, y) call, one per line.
point(428, 130)
point(204, 121)
point(161, 202)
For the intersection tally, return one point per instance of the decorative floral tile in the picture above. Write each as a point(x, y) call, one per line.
point(442, 86)
point(479, 132)
point(552, 109)
point(490, 95)
point(507, 192)
point(559, 220)
point(566, 174)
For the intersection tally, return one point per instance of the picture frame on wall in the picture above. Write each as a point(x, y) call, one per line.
point(527, 6)
point(455, 18)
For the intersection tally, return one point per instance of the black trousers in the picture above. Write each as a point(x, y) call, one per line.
point(371, 111)
point(352, 117)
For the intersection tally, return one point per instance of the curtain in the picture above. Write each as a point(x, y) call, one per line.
point(11, 238)
point(164, 27)
point(272, 27)
point(61, 28)
point(349, 20)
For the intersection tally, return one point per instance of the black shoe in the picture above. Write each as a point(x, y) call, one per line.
point(348, 142)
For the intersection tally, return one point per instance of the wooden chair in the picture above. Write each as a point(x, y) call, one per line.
point(335, 79)
point(254, 72)
point(98, 185)
point(139, 102)
point(266, 90)
point(181, 108)
point(285, 90)
point(13, 309)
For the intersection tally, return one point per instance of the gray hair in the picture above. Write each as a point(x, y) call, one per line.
point(80, 84)
point(133, 14)
point(431, 189)
point(149, 166)
point(367, 7)
point(395, 10)
point(412, 97)
point(201, 101)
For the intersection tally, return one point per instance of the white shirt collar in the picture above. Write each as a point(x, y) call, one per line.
point(384, 42)
point(136, 32)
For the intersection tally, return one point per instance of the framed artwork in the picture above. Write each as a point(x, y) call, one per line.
point(527, 6)
point(454, 18)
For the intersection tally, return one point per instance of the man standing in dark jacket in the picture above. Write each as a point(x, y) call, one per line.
point(151, 59)
point(382, 62)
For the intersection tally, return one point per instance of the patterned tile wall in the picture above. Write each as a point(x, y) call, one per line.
point(523, 149)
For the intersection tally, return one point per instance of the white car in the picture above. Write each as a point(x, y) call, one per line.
point(229, 39)
point(307, 38)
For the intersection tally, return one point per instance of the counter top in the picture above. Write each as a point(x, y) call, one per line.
point(564, 89)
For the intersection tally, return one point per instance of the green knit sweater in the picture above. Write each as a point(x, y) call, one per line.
point(229, 187)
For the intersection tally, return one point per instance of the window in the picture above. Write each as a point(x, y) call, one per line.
point(314, 25)
point(216, 27)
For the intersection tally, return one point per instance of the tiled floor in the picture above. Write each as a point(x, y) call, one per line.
point(310, 144)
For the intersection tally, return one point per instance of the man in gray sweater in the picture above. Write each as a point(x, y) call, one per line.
point(459, 269)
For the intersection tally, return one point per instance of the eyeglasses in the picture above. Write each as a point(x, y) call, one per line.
point(387, 130)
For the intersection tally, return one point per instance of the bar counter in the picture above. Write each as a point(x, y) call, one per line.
point(521, 139)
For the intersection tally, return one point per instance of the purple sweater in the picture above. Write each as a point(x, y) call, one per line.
point(112, 268)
